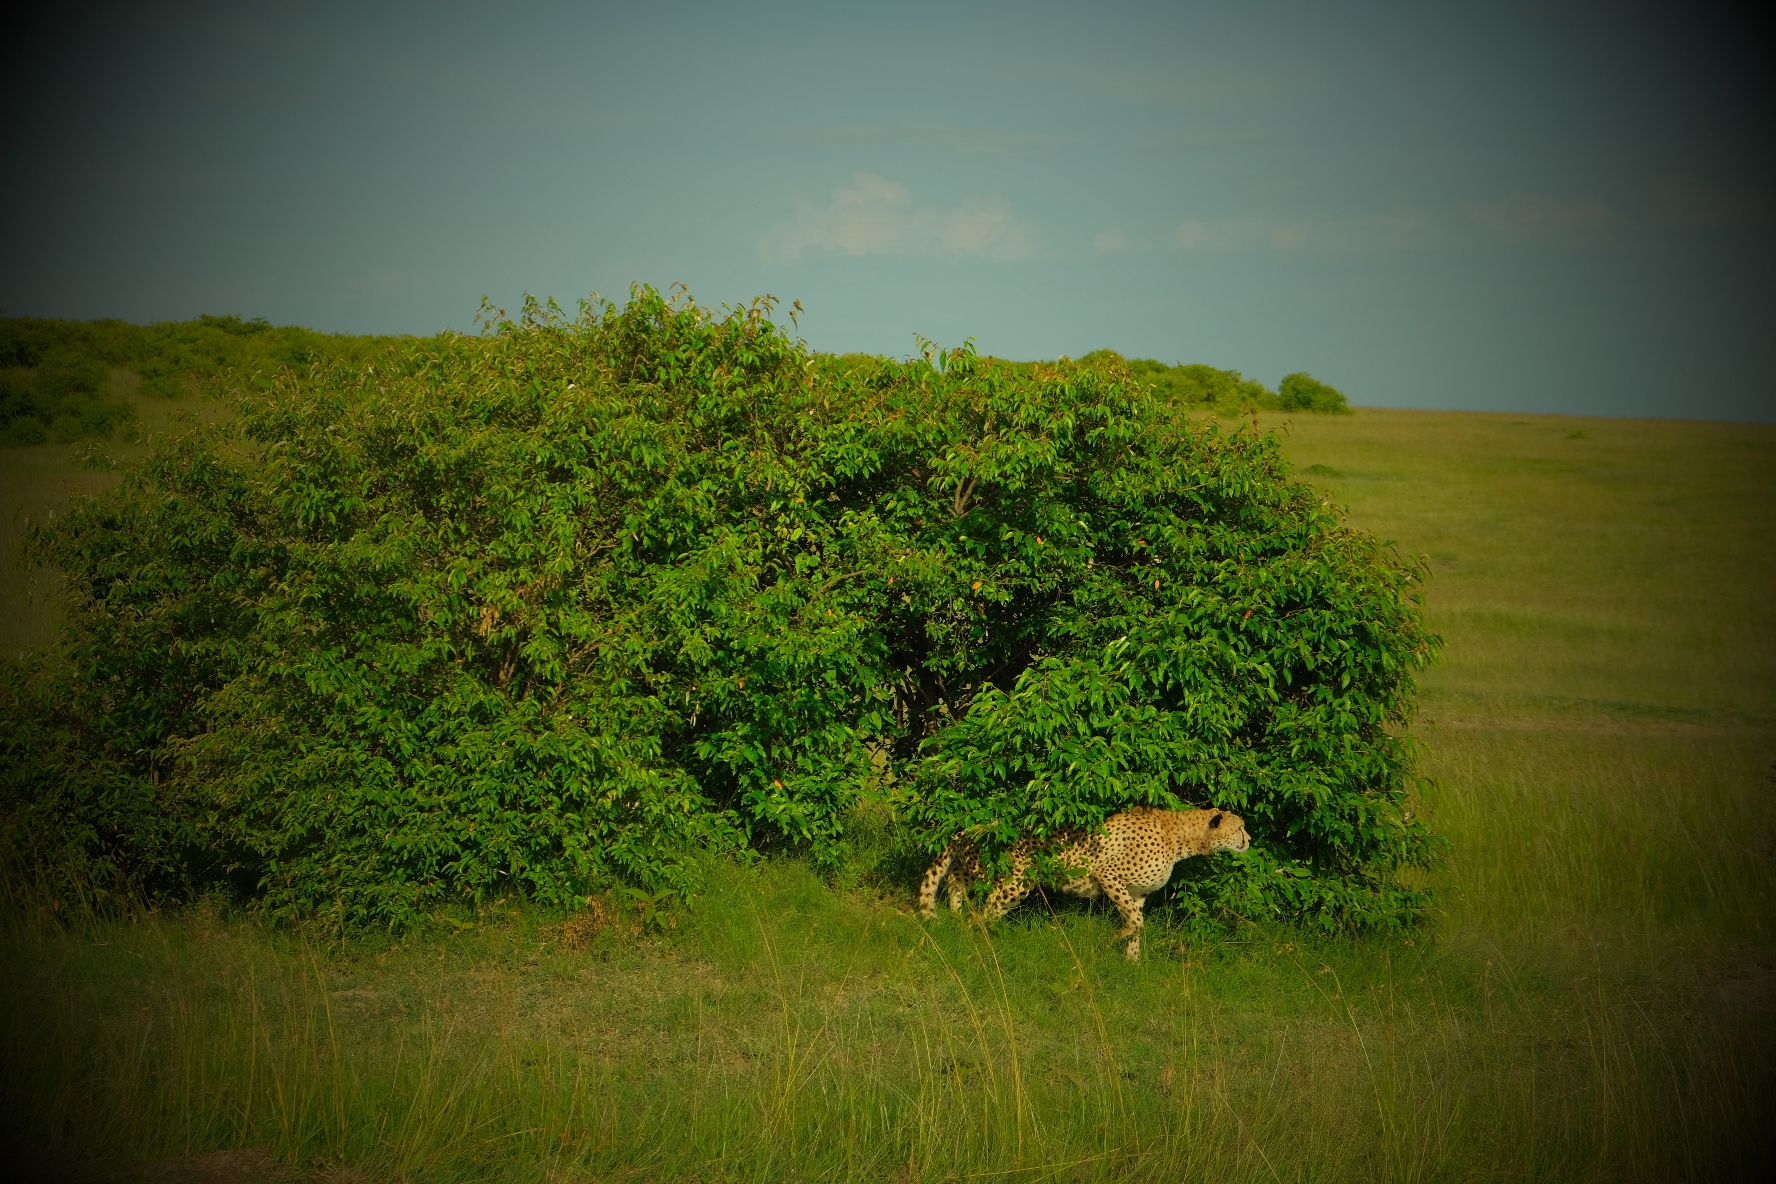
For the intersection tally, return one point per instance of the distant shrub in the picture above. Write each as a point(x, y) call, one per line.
point(23, 432)
point(1223, 390)
point(18, 406)
point(559, 607)
point(1195, 386)
point(63, 397)
point(62, 372)
point(27, 341)
point(1303, 392)
point(199, 357)
point(53, 374)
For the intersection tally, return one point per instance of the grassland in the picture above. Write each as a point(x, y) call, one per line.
point(1596, 1000)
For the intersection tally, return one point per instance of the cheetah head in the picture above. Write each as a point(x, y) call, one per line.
point(1227, 832)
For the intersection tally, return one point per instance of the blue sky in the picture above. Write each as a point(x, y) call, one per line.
point(1557, 207)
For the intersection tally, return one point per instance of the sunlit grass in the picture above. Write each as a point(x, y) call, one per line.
point(1594, 1000)
point(1629, 568)
point(789, 1032)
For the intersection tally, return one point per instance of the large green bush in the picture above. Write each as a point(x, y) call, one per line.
point(563, 605)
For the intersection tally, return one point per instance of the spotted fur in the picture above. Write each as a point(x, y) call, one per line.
point(1129, 861)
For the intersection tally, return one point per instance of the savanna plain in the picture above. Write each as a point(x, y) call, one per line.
point(1594, 998)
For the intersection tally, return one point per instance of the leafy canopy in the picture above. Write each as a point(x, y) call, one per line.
point(557, 607)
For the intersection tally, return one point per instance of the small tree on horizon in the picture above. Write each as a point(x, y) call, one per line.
point(1301, 391)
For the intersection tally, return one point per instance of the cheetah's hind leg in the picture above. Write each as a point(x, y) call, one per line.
point(934, 875)
point(947, 867)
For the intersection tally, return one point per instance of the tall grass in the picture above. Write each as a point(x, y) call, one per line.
point(1595, 1001)
point(790, 1033)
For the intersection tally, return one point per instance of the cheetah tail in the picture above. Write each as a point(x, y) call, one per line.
point(934, 876)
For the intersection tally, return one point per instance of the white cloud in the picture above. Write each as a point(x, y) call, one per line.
point(876, 216)
point(379, 283)
point(1692, 203)
point(936, 136)
point(1227, 234)
point(1123, 80)
point(1109, 242)
point(1519, 219)
point(1399, 230)
point(1527, 217)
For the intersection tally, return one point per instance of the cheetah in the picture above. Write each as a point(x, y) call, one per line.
point(1132, 858)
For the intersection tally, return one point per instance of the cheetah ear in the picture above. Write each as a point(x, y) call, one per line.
point(1216, 821)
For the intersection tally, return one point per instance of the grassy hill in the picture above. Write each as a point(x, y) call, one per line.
point(112, 385)
point(1596, 1003)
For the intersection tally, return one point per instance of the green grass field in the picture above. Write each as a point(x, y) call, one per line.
point(1596, 1000)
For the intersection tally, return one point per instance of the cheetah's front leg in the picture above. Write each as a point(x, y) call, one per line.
point(1129, 905)
point(1007, 895)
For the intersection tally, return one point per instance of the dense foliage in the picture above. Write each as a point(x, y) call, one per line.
point(65, 392)
point(1225, 392)
point(56, 381)
point(557, 607)
point(1301, 391)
